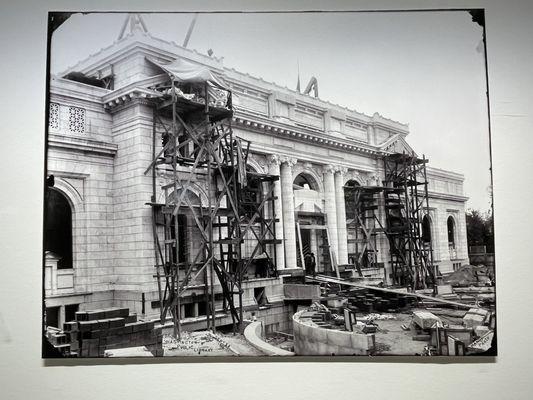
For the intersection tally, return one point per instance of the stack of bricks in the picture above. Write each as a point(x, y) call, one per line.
point(59, 340)
point(94, 332)
point(370, 303)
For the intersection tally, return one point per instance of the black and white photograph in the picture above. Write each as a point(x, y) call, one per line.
point(268, 184)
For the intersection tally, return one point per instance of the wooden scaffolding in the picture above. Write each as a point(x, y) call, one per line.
point(402, 200)
point(199, 150)
point(405, 192)
point(365, 226)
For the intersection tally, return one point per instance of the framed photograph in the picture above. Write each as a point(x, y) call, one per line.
point(253, 184)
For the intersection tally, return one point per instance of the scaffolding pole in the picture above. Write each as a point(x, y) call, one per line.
point(200, 150)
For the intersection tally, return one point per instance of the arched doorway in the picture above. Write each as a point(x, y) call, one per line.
point(58, 227)
point(311, 254)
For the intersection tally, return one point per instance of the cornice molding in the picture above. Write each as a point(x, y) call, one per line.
point(82, 145)
point(448, 196)
point(300, 134)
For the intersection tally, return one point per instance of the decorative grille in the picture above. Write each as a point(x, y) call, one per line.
point(53, 120)
point(76, 119)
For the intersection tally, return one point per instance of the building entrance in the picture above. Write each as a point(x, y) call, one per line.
point(312, 235)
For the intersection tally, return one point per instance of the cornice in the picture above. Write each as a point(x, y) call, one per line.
point(76, 90)
point(242, 78)
point(119, 49)
point(447, 196)
point(147, 44)
point(122, 97)
point(82, 145)
point(300, 134)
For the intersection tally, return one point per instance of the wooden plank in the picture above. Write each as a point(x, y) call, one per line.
point(300, 244)
point(332, 256)
point(327, 279)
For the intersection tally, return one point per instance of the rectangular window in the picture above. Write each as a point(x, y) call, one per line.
point(189, 310)
point(260, 296)
point(202, 308)
point(53, 118)
point(76, 119)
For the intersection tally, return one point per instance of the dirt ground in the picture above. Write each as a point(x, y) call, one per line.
point(392, 339)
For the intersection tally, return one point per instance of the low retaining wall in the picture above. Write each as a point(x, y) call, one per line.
point(295, 291)
point(254, 336)
point(312, 340)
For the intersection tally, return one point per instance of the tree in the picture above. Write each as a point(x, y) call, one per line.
point(480, 229)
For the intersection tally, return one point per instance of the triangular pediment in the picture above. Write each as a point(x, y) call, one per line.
point(397, 144)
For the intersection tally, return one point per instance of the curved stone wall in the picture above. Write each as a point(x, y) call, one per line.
point(253, 334)
point(312, 340)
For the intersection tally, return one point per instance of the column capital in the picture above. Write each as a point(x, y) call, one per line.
point(274, 159)
point(373, 179)
point(341, 170)
point(288, 160)
point(329, 169)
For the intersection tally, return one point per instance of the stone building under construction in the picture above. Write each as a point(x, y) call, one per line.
point(325, 180)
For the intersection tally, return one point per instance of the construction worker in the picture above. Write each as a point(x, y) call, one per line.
point(310, 264)
point(313, 264)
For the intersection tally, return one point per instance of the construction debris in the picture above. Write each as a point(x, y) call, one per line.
point(425, 319)
point(475, 317)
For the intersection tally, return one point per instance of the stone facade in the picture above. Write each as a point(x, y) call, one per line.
point(100, 143)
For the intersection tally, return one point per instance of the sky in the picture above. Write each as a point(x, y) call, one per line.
point(426, 69)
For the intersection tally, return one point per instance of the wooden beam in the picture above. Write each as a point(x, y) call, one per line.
point(327, 279)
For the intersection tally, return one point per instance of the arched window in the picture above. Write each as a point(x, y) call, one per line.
point(451, 232)
point(58, 227)
point(349, 198)
point(426, 230)
point(305, 181)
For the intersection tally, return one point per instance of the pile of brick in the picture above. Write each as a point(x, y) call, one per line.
point(93, 332)
point(367, 302)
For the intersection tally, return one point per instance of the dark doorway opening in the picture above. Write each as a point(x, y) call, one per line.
point(426, 230)
point(52, 316)
point(58, 227)
point(70, 311)
point(451, 233)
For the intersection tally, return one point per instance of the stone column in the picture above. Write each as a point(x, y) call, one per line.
point(342, 234)
point(274, 169)
point(287, 197)
point(331, 209)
